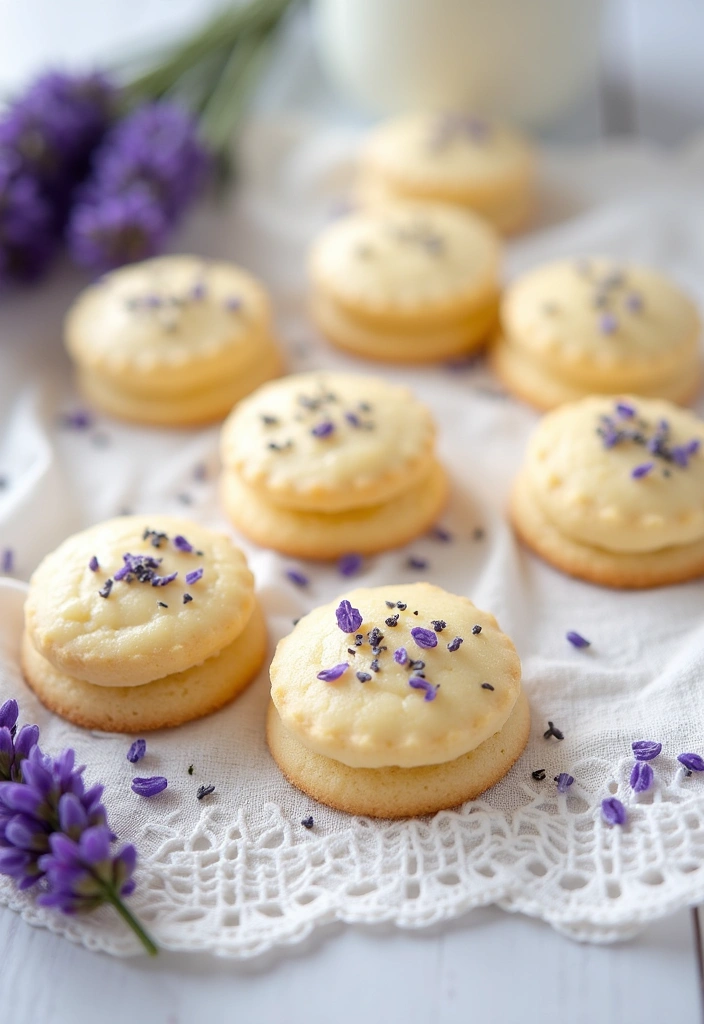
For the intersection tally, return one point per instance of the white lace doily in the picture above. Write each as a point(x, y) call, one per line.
point(237, 873)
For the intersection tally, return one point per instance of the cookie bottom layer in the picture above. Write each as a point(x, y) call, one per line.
point(628, 570)
point(164, 703)
point(400, 792)
point(398, 346)
point(535, 385)
point(201, 406)
point(323, 535)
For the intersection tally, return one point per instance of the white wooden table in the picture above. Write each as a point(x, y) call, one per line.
point(490, 967)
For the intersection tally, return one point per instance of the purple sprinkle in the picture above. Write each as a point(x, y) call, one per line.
point(424, 637)
point(642, 776)
point(94, 564)
point(324, 429)
point(163, 581)
point(642, 470)
point(413, 562)
point(181, 544)
point(608, 324)
point(577, 640)
point(564, 781)
point(349, 619)
point(137, 751)
point(454, 645)
point(625, 411)
point(295, 577)
point(349, 565)
point(613, 811)
point(634, 302)
point(692, 762)
point(401, 656)
point(193, 577)
point(418, 683)
point(441, 534)
point(149, 787)
point(233, 304)
point(645, 750)
point(329, 675)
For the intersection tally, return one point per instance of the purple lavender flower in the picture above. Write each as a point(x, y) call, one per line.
point(349, 619)
point(83, 874)
point(27, 236)
point(645, 750)
point(418, 683)
point(613, 811)
point(641, 777)
point(424, 637)
point(692, 762)
point(106, 231)
point(329, 675)
point(564, 781)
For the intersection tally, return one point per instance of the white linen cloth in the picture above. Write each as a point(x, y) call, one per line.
point(236, 873)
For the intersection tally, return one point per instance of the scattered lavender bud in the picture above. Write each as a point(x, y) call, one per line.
point(233, 304)
point(149, 787)
point(608, 324)
point(190, 769)
point(181, 544)
point(476, 629)
point(424, 637)
point(539, 774)
point(439, 624)
point(193, 577)
point(163, 581)
point(94, 564)
point(137, 751)
point(577, 640)
point(441, 534)
point(642, 470)
point(692, 762)
point(363, 677)
point(204, 791)
point(297, 578)
point(349, 565)
point(487, 686)
point(349, 619)
point(308, 822)
point(187, 598)
point(414, 562)
point(106, 588)
point(7, 561)
point(642, 777)
point(324, 429)
point(553, 731)
point(401, 656)
point(645, 750)
point(418, 683)
point(564, 781)
point(329, 675)
point(634, 302)
point(625, 410)
point(613, 811)
point(454, 645)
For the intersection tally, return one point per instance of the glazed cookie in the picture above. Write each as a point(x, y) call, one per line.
point(410, 282)
point(174, 340)
point(455, 158)
point(579, 327)
point(320, 464)
point(395, 701)
point(141, 622)
point(612, 491)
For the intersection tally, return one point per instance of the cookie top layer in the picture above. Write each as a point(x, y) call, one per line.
point(597, 321)
point(96, 611)
point(329, 441)
point(167, 318)
point(395, 675)
point(455, 155)
point(406, 260)
point(623, 475)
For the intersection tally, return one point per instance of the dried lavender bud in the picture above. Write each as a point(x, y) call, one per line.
point(193, 577)
point(564, 781)
point(329, 675)
point(552, 731)
point(349, 565)
point(538, 774)
point(363, 677)
point(576, 640)
point(149, 787)
point(94, 565)
point(455, 644)
point(424, 637)
point(181, 544)
point(613, 811)
point(692, 762)
point(641, 777)
point(308, 822)
point(645, 750)
point(419, 683)
point(349, 619)
point(438, 625)
point(401, 656)
point(204, 791)
point(137, 751)
point(476, 629)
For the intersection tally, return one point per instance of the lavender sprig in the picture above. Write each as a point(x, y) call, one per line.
point(55, 832)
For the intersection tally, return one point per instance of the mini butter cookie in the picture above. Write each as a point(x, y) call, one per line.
point(320, 464)
point(408, 282)
point(612, 491)
point(141, 623)
point(451, 157)
point(175, 340)
point(396, 701)
point(579, 327)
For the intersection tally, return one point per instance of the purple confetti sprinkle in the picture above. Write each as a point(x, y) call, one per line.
point(424, 637)
point(613, 811)
point(564, 781)
point(7, 561)
point(401, 656)
point(608, 324)
point(418, 683)
point(455, 644)
point(577, 640)
point(94, 564)
point(295, 577)
point(625, 411)
point(193, 577)
point(324, 429)
point(137, 751)
point(349, 565)
point(329, 675)
point(181, 544)
point(149, 787)
point(642, 470)
point(645, 750)
point(692, 762)
point(349, 619)
point(642, 777)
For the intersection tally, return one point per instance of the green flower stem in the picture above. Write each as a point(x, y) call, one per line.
point(129, 919)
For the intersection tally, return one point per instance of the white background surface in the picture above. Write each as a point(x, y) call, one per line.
point(491, 967)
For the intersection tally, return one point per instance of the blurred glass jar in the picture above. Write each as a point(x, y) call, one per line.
point(524, 60)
